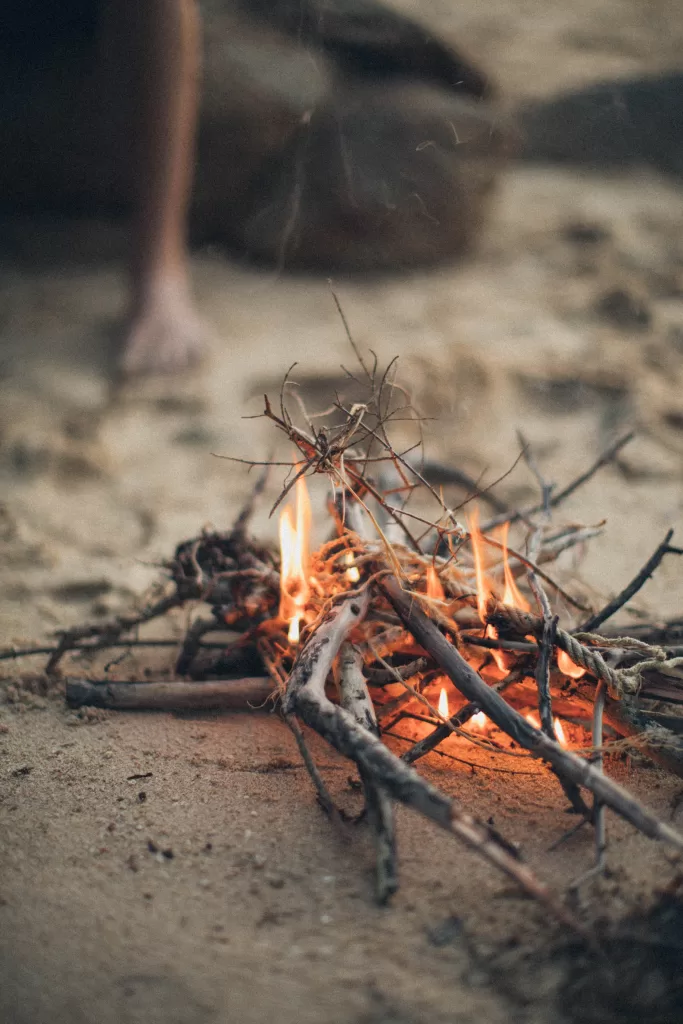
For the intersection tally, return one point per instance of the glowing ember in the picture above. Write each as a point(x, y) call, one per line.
point(568, 667)
point(434, 586)
point(294, 560)
point(352, 573)
point(443, 703)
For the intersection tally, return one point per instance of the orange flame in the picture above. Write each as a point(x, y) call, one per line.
point(295, 560)
point(511, 594)
point(569, 667)
point(478, 721)
point(443, 703)
point(533, 719)
point(434, 586)
point(484, 589)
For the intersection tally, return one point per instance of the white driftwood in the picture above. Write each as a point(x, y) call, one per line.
point(355, 699)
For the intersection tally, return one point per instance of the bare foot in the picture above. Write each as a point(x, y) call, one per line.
point(164, 334)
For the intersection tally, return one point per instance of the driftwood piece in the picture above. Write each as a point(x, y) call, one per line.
point(473, 687)
point(305, 697)
point(175, 695)
point(355, 699)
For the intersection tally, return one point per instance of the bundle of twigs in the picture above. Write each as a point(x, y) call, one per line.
point(394, 603)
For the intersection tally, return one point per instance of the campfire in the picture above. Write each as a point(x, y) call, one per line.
point(409, 631)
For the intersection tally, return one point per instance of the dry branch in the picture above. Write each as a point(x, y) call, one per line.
point(665, 548)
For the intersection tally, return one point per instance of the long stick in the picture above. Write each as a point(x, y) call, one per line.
point(473, 687)
point(170, 696)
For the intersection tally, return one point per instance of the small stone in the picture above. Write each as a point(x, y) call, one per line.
point(446, 932)
point(259, 860)
point(626, 309)
point(585, 233)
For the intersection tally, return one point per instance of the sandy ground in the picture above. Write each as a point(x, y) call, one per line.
point(177, 869)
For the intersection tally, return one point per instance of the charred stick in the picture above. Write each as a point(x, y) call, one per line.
point(305, 698)
point(473, 687)
point(174, 695)
point(653, 562)
point(356, 700)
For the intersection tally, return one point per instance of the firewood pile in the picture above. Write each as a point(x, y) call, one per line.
point(410, 631)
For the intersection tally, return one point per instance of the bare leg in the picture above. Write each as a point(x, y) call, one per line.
point(164, 332)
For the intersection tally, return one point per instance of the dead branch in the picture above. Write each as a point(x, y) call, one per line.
point(653, 562)
point(603, 460)
point(173, 695)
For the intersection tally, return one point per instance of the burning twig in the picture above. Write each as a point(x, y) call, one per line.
point(510, 721)
point(306, 699)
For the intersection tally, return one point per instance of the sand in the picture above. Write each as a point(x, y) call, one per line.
point(176, 868)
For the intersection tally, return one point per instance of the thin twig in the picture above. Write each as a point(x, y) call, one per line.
point(591, 624)
point(607, 456)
